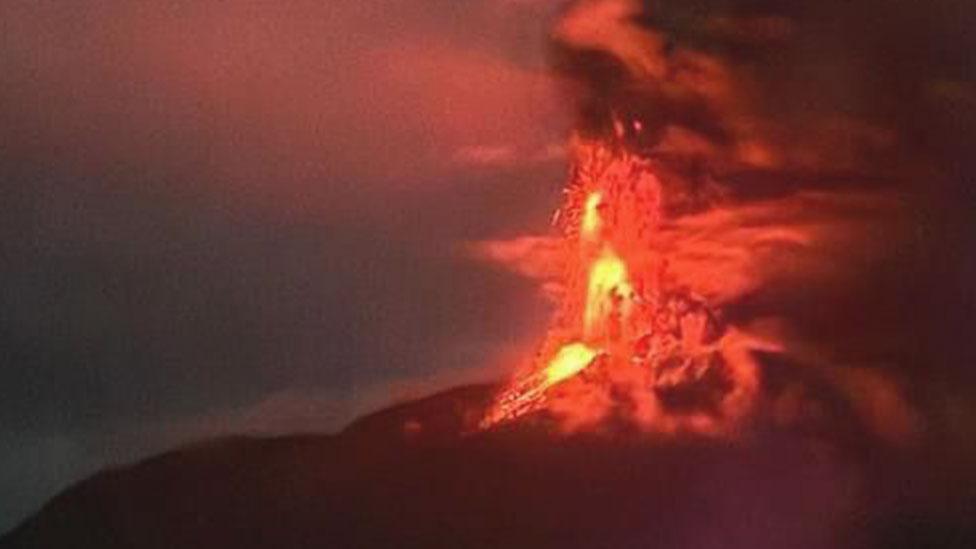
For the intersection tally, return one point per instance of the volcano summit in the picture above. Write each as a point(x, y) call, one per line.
point(421, 475)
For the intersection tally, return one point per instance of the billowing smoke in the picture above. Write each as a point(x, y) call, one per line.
point(694, 98)
point(763, 209)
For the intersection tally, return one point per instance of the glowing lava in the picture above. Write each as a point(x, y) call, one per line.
point(569, 361)
point(591, 216)
point(608, 292)
point(629, 342)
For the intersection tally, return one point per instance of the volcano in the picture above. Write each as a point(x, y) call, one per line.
point(421, 474)
point(758, 336)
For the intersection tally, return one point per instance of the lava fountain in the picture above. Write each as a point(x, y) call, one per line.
point(675, 276)
point(630, 342)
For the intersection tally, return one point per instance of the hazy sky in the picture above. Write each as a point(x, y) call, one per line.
point(218, 216)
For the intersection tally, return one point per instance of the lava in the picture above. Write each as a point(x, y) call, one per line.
point(569, 361)
point(608, 291)
point(629, 342)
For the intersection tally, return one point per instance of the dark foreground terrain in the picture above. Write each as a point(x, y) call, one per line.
point(408, 477)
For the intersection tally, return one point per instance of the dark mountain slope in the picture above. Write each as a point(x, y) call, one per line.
point(409, 476)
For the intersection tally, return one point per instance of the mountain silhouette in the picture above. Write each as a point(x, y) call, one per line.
point(418, 475)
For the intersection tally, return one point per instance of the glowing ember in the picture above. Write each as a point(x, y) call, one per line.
point(629, 342)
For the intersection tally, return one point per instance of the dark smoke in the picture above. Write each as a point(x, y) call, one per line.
point(780, 119)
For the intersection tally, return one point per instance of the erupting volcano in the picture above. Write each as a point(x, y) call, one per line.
point(754, 297)
point(631, 342)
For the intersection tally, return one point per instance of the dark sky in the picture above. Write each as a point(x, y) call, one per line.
point(220, 217)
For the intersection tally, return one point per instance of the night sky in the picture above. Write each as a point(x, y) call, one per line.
point(254, 217)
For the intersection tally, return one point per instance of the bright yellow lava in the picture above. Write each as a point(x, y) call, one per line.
point(608, 282)
point(569, 361)
point(591, 216)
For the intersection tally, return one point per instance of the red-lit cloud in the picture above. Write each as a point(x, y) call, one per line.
point(277, 99)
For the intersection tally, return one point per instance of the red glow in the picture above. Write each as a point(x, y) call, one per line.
point(629, 341)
